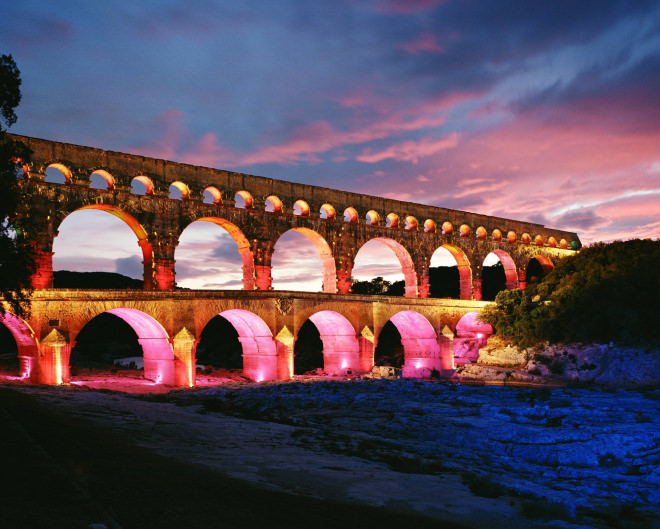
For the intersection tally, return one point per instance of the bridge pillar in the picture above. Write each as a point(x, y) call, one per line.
point(423, 281)
point(148, 264)
point(446, 343)
point(284, 346)
point(43, 261)
point(344, 281)
point(164, 274)
point(184, 345)
point(262, 252)
point(476, 289)
point(366, 342)
point(522, 278)
point(263, 279)
point(54, 353)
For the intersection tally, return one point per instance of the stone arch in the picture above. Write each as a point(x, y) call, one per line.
point(181, 188)
point(245, 198)
point(411, 223)
point(429, 226)
point(214, 196)
point(420, 345)
point(259, 350)
point(27, 345)
point(138, 230)
point(301, 208)
point(545, 263)
point(510, 271)
point(328, 212)
point(392, 221)
point(159, 359)
point(243, 248)
point(350, 215)
point(340, 346)
point(106, 176)
point(406, 262)
point(372, 218)
point(464, 270)
point(327, 259)
point(471, 334)
point(146, 182)
point(63, 169)
point(273, 204)
point(447, 228)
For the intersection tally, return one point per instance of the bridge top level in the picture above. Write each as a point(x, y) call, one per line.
point(77, 163)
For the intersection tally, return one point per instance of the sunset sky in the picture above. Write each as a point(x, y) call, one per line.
point(539, 111)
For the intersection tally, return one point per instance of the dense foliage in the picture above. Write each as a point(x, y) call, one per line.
point(16, 258)
point(606, 293)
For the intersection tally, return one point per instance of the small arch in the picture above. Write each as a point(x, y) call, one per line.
point(497, 235)
point(273, 204)
point(464, 270)
point(481, 233)
point(539, 241)
point(464, 230)
point(498, 273)
point(471, 335)
point(328, 212)
point(179, 191)
point(372, 218)
point(340, 346)
point(159, 360)
point(212, 195)
point(243, 200)
point(511, 237)
point(552, 242)
point(142, 185)
point(526, 238)
point(301, 208)
point(350, 215)
point(57, 173)
point(411, 223)
point(101, 179)
point(429, 226)
point(563, 244)
point(447, 228)
point(22, 168)
point(421, 350)
point(392, 221)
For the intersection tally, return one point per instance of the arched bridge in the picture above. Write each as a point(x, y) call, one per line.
point(256, 212)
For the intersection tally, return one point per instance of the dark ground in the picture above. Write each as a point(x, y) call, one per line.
point(61, 473)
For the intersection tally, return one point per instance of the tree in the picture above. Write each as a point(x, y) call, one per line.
point(16, 255)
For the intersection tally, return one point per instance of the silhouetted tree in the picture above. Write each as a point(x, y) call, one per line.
point(16, 257)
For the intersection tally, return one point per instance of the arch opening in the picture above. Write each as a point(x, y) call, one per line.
point(212, 195)
point(258, 350)
point(57, 173)
point(471, 335)
point(296, 263)
point(498, 273)
point(429, 226)
point(101, 179)
point(326, 338)
point(208, 258)
point(142, 185)
point(392, 221)
point(373, 261)
point(301, 208)
point(327, 212)
point(537, 268)
point(273, 204)
point(219, 345)
point(450, 274)
point(350, 215)
point(372, 218)
point(389, 349)
point(20, 351)
point(243, 200)
point(79, 248)
point(178, 191)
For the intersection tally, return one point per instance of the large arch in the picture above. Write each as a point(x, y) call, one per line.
point(406, 262)
point(243, 247)
point(471, 334)
point(159, 359)
point(26, 343)
point(498, 272)
point(544, 261)
point(325, 253)
point(341, 350)
point(422, 353)
point(139, 231)
point(259, 350)
point(464, 270)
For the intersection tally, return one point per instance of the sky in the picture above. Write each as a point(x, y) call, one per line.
point(540, 111)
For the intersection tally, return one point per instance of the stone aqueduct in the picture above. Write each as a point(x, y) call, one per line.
point(256, 211)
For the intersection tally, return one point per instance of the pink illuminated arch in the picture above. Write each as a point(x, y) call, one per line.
point(158, 354)
point(259, 350)
point(26, 343)
point(243, 248)
point(407, 266)
point(471, 334)
point(327, 259)
point(420, 345)
point(340, 346)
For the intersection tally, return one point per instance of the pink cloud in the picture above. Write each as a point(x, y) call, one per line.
point(411, 150)
point(426, 42)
